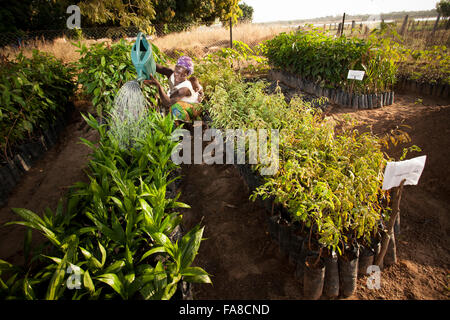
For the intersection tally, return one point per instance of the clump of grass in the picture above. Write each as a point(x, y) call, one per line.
point(61, 48)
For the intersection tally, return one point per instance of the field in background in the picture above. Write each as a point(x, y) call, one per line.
point(202, 40)
point(61, 48)
point(415, 34)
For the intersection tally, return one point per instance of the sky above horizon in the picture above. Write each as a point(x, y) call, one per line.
point(282, 10)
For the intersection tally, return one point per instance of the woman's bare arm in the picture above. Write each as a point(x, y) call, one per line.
point(165, 99)
point(178, 95)
point(164, 70)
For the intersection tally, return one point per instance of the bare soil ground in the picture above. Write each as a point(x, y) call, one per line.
point(238, 253)
point(46, 182)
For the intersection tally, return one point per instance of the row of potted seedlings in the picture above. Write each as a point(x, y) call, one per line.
point(321, 272)
point(433, 89)
point(337, 96)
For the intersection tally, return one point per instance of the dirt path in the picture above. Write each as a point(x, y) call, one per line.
point(46, 182)
point(238, 252)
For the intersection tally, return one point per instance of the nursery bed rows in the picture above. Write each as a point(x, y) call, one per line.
point(328, 184)
point(336, 276)
point(339, 97)
point(120, 232)
point(415, 86)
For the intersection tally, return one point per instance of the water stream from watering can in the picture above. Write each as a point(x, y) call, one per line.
point(127, 121)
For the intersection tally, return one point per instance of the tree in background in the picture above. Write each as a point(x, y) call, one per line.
point(126, 13)
point(29, 15)
point(443, 7)
point(247, 13)
point(178, 15)
point(167, 15)
point(14, 16)
point(228, 9)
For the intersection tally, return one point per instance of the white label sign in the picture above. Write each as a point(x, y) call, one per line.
point(395, 172)
point(355, 74)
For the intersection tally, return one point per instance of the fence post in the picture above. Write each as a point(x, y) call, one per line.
point(231, 33)
point(353, 26)
point(436, 24)
point(404, 25)
point(343, 21)
point(429, 40)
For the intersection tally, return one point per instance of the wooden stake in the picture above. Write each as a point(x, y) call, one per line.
point(404, 26)
point(231, 33)
point(436, 24)
point(392, 219)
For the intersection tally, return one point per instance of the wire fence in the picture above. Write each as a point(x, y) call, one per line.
point(20, 39)
point(197, 40)
point(425, 31)
point(170, 38)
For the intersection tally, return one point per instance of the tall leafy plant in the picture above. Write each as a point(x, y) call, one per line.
point(104, 69)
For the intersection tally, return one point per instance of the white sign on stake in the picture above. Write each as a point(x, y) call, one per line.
point(395, 172)
point(355, 74)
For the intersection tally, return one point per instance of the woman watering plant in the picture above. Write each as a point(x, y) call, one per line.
point(184, 94)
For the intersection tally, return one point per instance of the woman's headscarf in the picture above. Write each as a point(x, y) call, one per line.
point(186, 62)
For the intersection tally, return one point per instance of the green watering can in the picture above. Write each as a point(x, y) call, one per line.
point(142, 58)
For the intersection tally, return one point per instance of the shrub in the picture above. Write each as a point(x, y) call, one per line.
point(330, 183)
point(104, 69)
point(34, 92)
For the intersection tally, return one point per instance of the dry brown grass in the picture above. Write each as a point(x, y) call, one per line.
point(196, 42)
point(202, 40)
point(61, 48)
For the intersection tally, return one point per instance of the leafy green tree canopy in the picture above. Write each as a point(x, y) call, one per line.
point(443, 7)
point(127, 13)
point(145, 13)
point(247, 13)
point(28, 15)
